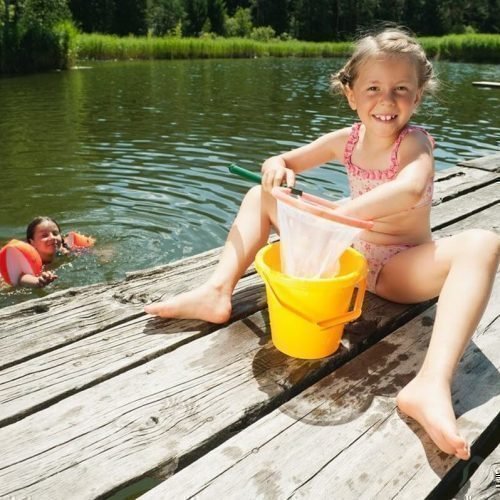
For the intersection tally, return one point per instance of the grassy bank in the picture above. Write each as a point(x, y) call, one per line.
point(94, 46)
point(467, 48)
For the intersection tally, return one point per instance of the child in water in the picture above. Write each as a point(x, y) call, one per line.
point(390, 168)
point(44, 234)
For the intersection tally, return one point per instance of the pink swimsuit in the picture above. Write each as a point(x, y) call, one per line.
point(362, 181)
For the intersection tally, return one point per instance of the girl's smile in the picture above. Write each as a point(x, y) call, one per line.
point(386, 118)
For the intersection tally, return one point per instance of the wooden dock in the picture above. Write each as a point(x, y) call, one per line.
point(99, 400)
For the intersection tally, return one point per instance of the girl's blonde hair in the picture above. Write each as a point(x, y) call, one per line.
point(392, 42)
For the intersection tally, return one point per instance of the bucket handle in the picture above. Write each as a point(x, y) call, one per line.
point(328, 323)
point(349, 315)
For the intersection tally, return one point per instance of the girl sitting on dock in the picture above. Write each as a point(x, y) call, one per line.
point(390, 169)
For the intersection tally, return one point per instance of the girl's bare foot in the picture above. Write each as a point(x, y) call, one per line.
point(428, 401)
point(206, 302)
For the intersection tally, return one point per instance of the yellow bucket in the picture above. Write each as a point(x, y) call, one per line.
point(308, 315)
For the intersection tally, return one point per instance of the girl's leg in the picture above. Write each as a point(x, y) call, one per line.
point(461, 270)
point(211, 301)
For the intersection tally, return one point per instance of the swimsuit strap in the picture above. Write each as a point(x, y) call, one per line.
point(351, 142)
point(394, 166)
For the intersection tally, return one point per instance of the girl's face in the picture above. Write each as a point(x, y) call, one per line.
point(46, 240)
point(385, 94)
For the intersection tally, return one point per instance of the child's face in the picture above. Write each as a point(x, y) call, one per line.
point(385, 94)
point(47, 240)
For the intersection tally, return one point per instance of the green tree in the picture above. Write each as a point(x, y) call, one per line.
point(433, 24)
point(478, 18)
point(492, 23)
point(35, 35)
point(412, 12)
point(233, 5)
point(44, 13)
point(164, 15)
point(451, 16)
point(130, 18)
point(217, 13)
point(196, 16)
point(313, 20)
point(274, 14)
point(4, 6)
point(94, 15)
point(240, 24)
point(389, 10)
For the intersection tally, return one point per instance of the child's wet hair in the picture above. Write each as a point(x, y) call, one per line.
point(30, 230)
point(391, 42)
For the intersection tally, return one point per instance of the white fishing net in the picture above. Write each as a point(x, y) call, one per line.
point(311, 245)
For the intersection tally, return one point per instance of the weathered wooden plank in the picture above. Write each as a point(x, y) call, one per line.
point(144, 418)
point(485, 219)
point(491, 163)
point(47, 378)
point(42, 325)
point(342, 437)
point(456, 181)
point(485, 482)
point(462, 207)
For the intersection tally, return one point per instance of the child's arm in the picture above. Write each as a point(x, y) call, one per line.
point(283, 167)
point(37, 281)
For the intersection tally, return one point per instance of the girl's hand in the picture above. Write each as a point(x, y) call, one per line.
point(63, 250)
point(275, 173)
point(45, 279)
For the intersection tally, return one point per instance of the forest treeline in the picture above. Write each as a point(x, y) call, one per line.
point(38, 34)
point(312, 20)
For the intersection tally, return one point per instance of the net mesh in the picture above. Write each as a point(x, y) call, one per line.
point(311, 245)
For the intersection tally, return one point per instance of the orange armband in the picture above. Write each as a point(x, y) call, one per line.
point(18, 258)
point(75, 240)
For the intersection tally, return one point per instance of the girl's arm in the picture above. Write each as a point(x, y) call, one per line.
point(37, 281)
point(402, 193)
point(283, 167)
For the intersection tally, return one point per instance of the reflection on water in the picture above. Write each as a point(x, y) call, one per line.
point(135, 153)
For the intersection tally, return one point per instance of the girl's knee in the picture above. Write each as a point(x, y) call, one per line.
point(254, 193)
point(480, 244)
point(261, 201)
point(254, 197)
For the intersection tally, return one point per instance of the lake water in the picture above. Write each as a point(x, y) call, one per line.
point(136, 153)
